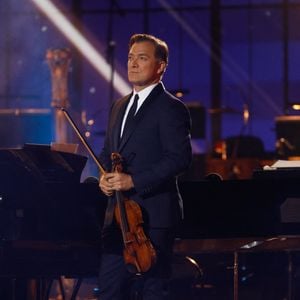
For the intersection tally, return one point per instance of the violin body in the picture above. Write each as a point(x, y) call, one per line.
point(139, 253)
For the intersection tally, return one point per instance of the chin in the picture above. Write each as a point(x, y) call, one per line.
point(135, 82)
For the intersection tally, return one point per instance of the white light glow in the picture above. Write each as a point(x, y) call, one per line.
point(82, 44)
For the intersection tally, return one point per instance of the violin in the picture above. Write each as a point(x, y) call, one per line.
point(139, 253)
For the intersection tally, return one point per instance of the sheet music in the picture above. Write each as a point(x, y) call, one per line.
point(283, 164)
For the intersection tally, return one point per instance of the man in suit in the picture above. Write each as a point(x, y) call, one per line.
point(155, 147)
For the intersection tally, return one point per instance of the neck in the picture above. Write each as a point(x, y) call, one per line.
point(139, 88)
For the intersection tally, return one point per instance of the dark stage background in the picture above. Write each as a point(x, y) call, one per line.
point(228, 57)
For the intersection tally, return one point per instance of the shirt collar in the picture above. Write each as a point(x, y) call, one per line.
point(144, 93)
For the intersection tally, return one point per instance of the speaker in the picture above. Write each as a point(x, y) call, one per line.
point(197, 112)
point(244, 146)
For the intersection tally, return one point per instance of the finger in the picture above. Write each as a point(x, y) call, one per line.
point(110, 175)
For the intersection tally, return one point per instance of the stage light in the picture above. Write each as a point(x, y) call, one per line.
point(296, 106)
point(82, 44)
point(91, 122)
point(179, 94)
point(246, 114)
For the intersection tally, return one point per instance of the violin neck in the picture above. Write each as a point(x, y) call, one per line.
point(123, 217)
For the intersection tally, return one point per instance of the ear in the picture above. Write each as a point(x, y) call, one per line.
point(162, 67)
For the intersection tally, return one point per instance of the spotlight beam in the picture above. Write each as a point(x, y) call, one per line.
point(230, 66)
point(82, 44)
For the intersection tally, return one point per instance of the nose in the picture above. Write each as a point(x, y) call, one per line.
point(133, 62)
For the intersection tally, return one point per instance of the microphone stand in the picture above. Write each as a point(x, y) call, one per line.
point(110, 52)
point(111, 45)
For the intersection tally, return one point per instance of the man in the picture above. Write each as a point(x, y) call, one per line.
point(155, 149)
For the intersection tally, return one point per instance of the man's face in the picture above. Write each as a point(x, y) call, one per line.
point(143, 68)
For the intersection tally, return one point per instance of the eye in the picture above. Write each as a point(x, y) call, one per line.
point(144, 58)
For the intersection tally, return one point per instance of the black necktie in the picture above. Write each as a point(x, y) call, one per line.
point(131, 113)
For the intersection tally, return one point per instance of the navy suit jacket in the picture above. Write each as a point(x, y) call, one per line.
point(155, 151)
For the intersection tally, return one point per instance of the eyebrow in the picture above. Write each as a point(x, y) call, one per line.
point(139, 54)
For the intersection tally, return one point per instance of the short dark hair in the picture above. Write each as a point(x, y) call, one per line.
point(161, 47)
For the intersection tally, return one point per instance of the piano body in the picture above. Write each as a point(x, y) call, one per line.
point(243, 219)
point(238, 208)
point(50, 222)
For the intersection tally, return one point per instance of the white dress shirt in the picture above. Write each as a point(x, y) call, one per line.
point(143, 94)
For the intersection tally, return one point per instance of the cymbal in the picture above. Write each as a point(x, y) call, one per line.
point(223, 110)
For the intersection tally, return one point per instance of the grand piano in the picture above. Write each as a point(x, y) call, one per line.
point(50, 222)
point(242, 218)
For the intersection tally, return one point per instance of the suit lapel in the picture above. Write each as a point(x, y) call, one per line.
point(143, 109)
point(118, 123)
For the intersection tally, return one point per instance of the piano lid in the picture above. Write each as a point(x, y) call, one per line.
point(43, 163)
point(42, 198)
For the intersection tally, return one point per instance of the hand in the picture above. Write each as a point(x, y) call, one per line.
point(111, 182)
point(105, 185)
